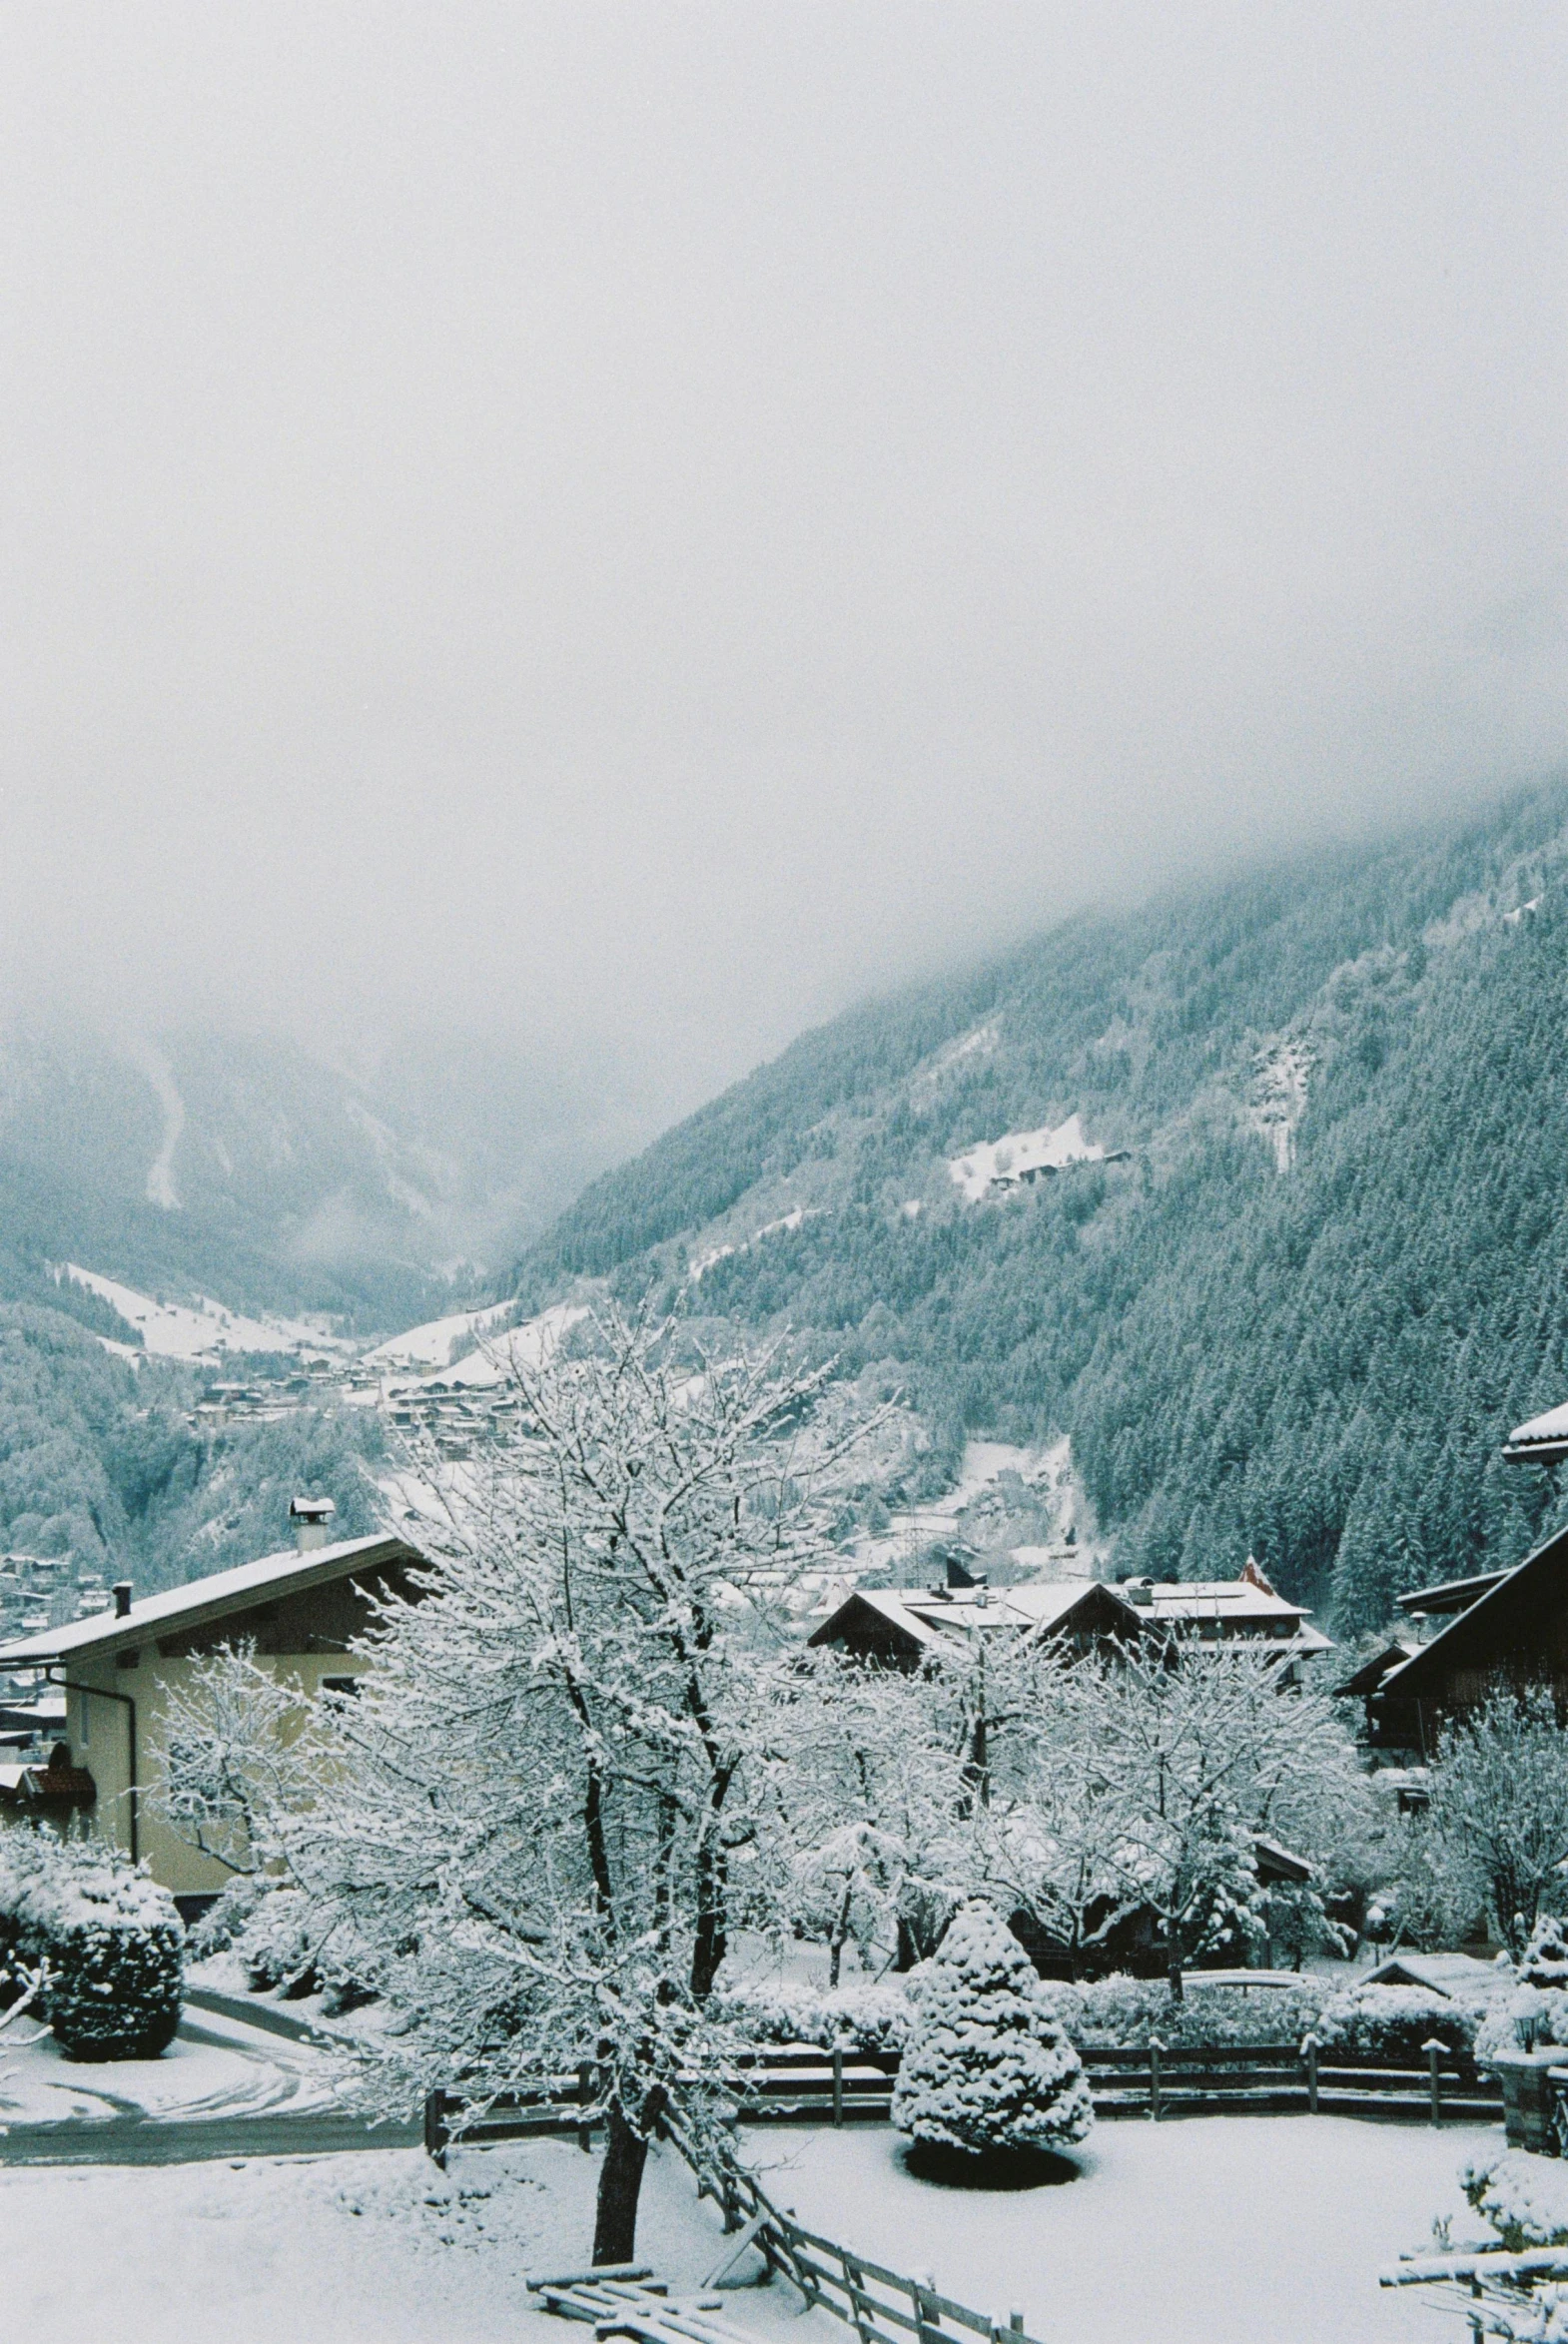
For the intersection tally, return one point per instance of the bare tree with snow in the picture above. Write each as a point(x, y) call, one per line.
point(556, 1783)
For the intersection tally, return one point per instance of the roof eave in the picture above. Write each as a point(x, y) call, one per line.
point(368, 1555)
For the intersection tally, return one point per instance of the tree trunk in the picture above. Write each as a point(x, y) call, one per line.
point(836, 1940)
point(1176, 1978)
point(620, 2180)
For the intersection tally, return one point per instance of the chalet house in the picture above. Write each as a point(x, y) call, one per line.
point(1502, 1630)
point(899, 1627)
point(300, 1609)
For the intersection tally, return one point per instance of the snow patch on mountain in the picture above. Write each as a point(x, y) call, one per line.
point(201, 1328)
point(433, 1345)
point(1020, 1155)
point(527, 1346)
point(769, 1229)
point(1276, 1098)
point(152, 1065)
point(981, 1043)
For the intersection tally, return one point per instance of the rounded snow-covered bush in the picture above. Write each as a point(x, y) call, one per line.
point(112, 1937)
point(276, 1944)
point(1524, 2197)
point(285, 1942)
point(988, 2066)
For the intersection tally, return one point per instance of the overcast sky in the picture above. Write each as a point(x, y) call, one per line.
point(647, 521)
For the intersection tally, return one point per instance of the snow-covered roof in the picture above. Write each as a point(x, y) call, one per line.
point(1045, 1604)
point(1451, 1974)
point(210, 1598)
point(926, 1613)
point(1542, 1437)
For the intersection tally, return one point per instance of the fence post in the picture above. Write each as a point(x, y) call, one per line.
point(1310, 2048)
point(1154, 2049)
point(437, 2135)
point(1434, 2050)
point(585, 2100)
point(838, 2083)
point(928, 2324)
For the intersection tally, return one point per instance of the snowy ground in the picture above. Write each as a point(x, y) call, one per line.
point(375, 2248)
point(203, 1329)
point(1210, 2230)
point(215, 2067)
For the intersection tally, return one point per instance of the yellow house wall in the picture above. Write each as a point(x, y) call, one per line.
point(103, 1750)
point(300, 1634)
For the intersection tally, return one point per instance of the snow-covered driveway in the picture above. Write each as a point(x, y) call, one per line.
point(215, 2067)
point(1210, 2230)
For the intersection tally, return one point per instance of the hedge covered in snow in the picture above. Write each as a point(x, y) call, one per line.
point(1396, 2023)
point(1123, 2014)
point(281, 1942)
point(110, 1937)
point(863, 2017)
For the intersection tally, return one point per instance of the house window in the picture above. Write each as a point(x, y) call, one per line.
point(347, 1686)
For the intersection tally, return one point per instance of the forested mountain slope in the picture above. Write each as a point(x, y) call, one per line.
point(98, 1461)
point(1327, 1273)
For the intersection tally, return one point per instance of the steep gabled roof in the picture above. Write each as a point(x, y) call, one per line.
point(926, 1618)
point(1494, 1630)
point(1372, 1673)
point(212, 1598)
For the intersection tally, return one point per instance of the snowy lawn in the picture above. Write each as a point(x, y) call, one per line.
point(370, 2248)
point(1209, 2230)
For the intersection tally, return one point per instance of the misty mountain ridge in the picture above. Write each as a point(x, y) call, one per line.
point(1254, 1193)
point(243, 1167)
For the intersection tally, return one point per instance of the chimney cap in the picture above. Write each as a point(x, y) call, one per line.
point(122, 1598)
point(311, 1509)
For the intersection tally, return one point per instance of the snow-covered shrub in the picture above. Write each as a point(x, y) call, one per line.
point(1545, 1961)
point(1395, 2022)
point(861, 2018)
point(287, 1944)
point(1524, 2197)
point(1123, 2013)
point(988, 2066)
point(1535, 2014)
point(1298, 1924)
point(276, 1944)
point(224, 1919)
point(111, 1938)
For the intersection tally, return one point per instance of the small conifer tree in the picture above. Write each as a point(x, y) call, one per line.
point(988, 2066)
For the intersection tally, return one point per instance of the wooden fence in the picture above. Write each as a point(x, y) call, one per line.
point(882, 2306)
point(799, 2084)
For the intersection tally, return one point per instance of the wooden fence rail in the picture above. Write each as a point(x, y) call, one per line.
point(799, 2084)
point(881, 2305)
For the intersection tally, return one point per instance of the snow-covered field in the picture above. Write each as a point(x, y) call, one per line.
point(430, 1345)
point(203, 1329)
point(1020, 1152)
point(1209, 2230)
point(370, 2248)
